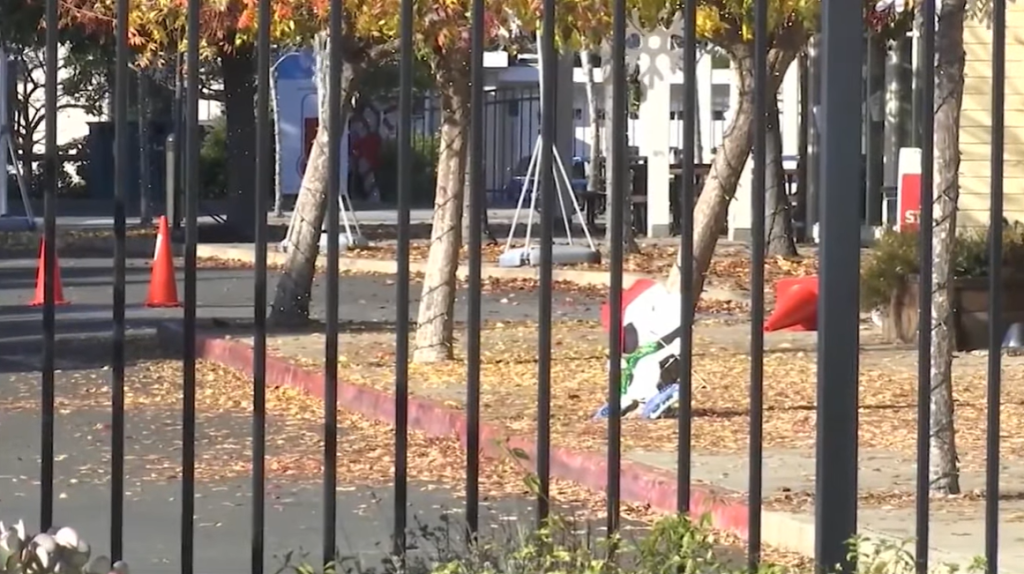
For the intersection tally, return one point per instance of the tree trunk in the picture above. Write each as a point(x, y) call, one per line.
point(293, 292)
point(486, 233)
point(239, 68)
point(435, 323)
point(778, 219)
point(949, 89)
point(720, 186)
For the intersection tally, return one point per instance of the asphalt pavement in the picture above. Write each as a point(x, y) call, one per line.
point(228, 293)
point(223, 507)
point(98, 215)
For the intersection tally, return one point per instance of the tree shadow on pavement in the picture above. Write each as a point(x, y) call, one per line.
point(89, 350)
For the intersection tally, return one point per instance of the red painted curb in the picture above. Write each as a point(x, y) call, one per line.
point(640, 483)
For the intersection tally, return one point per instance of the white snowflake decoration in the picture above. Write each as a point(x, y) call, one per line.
point(644, 47)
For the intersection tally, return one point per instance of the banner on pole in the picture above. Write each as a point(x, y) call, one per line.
point(297, 120)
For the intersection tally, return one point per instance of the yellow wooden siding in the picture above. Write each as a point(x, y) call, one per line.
point(976, 122)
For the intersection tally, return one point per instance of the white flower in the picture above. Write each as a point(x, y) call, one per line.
point(9, 541)
point(58, 551)
point(75, 550)
point(45, 549)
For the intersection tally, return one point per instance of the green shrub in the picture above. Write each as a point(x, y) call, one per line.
point(425, 148)
point(213, 160)
point(670, 546)
point(895, 257)
point(673, 545)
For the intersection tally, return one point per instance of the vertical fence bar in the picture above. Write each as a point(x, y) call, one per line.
point(842, 52)
point(813, 204)
point(802, 145)
point(996, 328)
point(549, 72)
point(477, 205)
point(916, 79)
point(615, 183)
point(179, 139)
point(50, 267)
point(872, 169)
point(145, 150)
point(334, 99)
point(192, 140)
point(924, 134)
point(264, 183)
point(405, 175)
point(122, 174)
point(757, 251)
point(686, 195)
point(865, 129)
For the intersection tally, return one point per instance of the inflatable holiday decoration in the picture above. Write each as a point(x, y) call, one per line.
point(650, 349)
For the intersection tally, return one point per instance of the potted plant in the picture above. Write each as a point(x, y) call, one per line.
point(889, 284)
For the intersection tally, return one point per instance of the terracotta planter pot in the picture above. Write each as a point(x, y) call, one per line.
point(970, 310)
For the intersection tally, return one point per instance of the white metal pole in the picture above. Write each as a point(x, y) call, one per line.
point(522, 197)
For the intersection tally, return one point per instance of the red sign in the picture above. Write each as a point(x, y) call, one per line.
point(908, 206)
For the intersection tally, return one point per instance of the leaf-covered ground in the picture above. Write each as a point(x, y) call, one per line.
point(721, 376)
point(730, 269)
point(295, 423)
point(140, 242)
point(493, 284)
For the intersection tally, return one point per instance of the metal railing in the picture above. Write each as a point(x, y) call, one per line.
point(842, 52)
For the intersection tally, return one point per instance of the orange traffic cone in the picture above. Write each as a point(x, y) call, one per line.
point(58, 290)
point(163, 287)
point(796, 306)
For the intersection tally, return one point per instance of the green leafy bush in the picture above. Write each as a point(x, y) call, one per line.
point(213, 160)
point(895, 258)
point(673, 545)
point(425, 148)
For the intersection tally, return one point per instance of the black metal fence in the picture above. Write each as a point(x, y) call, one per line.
point(512, 120)
point(837, 407)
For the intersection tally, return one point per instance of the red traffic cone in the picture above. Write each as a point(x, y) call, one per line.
point(163, 287)
point(58, 290)
point(796, 306)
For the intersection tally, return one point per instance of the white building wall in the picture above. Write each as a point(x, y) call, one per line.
point(512, 117)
